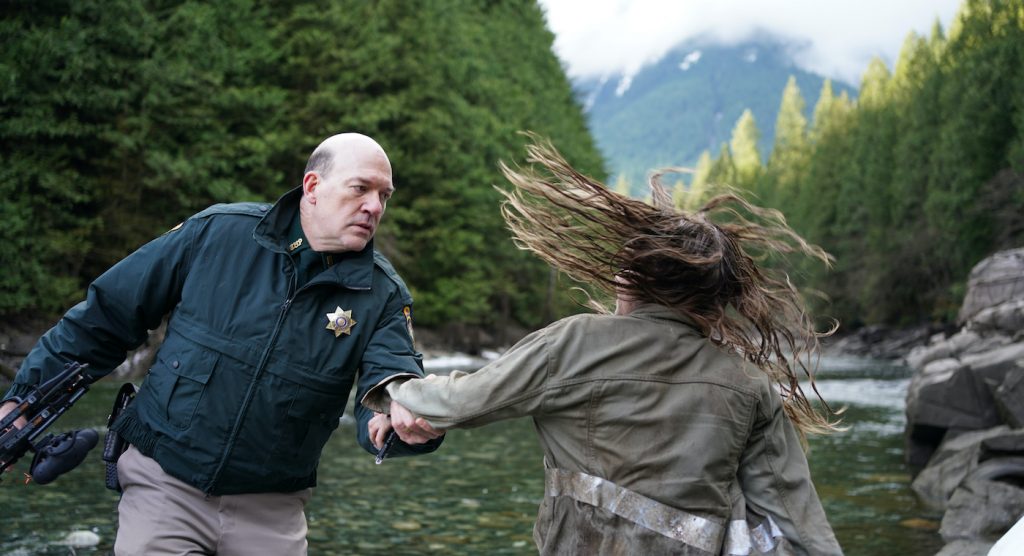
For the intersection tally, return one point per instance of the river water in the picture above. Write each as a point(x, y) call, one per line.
point(479, 493)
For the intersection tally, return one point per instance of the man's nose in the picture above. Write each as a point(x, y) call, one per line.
point(374, 206)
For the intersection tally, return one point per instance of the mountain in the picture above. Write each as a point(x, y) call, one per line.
point(688, 102)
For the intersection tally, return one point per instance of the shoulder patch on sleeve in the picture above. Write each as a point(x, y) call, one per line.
point(407, 311)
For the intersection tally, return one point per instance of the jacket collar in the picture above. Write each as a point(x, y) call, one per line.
point(352, 270)
point(653, 311)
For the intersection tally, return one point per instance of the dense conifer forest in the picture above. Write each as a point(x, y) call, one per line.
point(120, 118)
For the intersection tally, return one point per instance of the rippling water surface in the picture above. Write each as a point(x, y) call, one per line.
point(480, 492)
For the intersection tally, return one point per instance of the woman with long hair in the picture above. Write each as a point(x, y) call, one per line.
point(674, 424)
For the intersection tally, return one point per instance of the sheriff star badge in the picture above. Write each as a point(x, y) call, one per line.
point(341, 322)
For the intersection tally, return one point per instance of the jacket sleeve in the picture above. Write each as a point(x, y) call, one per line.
point(776, 481)
point(390, 352)
point(511, 386)
point(389, 355)
point(121, 306)
point(400, 448)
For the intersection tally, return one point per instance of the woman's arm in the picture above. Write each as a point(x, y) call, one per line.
point(511, 386)
point(776, 481)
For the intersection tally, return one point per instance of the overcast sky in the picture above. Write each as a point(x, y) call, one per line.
point(601, 37)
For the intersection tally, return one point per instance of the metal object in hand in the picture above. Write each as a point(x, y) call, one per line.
point(388, 443)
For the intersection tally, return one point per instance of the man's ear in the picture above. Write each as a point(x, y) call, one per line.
point(309, 183)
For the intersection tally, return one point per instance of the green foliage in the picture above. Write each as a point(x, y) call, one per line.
point(973, 140)
point(61, 88)
point(689, 198)
point(723, 170)
point(816, 210)
point(789, 155)
point(122, 117)
point(744, 148)
point(919, 179)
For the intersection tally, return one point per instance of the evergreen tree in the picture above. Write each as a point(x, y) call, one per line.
point(790, 150)
point(68, 70)
point(867, 194)
point(1003, 196)
point(158, 112)
point(120, 118)
point(912, 285)
point(689, 198)
point(723, 171)
point(973, 141)
point(745, 154)
point(814, 213)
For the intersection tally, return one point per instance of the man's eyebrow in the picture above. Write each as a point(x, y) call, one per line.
point(366, 180)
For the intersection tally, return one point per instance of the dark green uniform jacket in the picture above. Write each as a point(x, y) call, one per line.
point(250, 382)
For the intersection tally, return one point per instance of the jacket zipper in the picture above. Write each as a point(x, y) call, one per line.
point(259, 371)
point(249, 395)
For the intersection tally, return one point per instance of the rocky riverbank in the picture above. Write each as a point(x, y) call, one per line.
point(965, 411)
point(880, 341)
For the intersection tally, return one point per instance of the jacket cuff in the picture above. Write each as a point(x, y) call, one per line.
point(17, 390)
point(378, 399)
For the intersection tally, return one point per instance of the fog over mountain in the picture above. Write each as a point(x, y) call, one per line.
point(665, 79)
point(595, 38)
point(670, 111)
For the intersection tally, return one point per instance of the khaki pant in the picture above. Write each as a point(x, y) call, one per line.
point(158, 514)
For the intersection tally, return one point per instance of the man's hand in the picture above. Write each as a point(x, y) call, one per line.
point(8, 407)
point(410, 428)
point(379, 427)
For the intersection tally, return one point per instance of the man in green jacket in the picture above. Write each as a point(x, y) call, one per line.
point(275, 313)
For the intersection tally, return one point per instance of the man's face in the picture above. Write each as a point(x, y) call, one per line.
point(348, 202)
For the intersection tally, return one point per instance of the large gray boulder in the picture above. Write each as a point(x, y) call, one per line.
point(996, 281)
point(970, 390)
point(971, 379)
point(982, 508)
point(959, 457)
point(965, 411)
point(967, 341)
point(1008, 396)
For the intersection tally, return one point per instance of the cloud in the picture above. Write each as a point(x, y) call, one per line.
point(836, 39)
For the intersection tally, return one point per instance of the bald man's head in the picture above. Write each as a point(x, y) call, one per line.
point(346, 187)
point(323, 157)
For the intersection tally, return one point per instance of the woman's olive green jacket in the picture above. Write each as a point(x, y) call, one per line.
point(655, 441)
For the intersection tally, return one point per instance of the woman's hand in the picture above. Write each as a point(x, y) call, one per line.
point(410, 428)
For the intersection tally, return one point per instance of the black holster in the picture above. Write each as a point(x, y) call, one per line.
point(114, 445)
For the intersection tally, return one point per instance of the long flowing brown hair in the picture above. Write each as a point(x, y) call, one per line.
point(708, 265)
